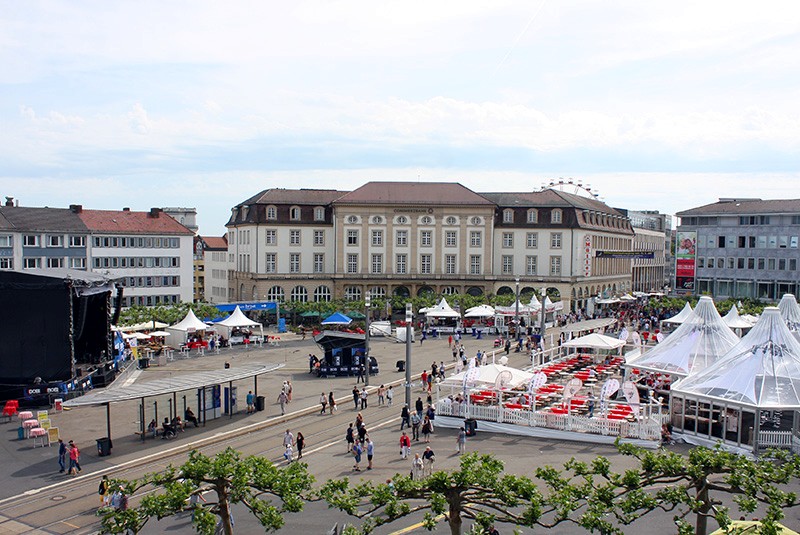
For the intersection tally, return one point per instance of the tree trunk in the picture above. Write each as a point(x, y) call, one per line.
point(454, 514)
point(225, 513)
point(701, 525)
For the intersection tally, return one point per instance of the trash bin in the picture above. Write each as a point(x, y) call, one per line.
point(260, 403)
point(103, 447)
point(144, 362)
point(401, 365)
point(470, 426)
point(21, 433)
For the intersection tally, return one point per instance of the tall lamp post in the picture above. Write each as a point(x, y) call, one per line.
point(516, 311)
point(366, 337)
point(543, 311)
point(409, 319)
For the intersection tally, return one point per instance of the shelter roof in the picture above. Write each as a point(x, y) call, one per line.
point(596, 341)
point(745, 206)
point(128, 222)
point(588, 325)
point(24, 218)
point(410, 193)
point(168, 385)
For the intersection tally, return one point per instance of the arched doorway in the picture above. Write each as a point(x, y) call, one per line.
point(475, 291)
point(425, 291)
point(402, 291)
point(505, 290)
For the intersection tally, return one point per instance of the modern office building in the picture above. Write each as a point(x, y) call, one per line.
point(739, 248)
point(149, 253)
point(408, 238)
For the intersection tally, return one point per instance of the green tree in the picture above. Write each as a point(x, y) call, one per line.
point(252, 481)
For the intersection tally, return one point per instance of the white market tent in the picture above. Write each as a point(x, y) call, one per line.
point(482, 311)
point(144, 326)
point(681, 316)
point(442, 310)
point(694, 346)
point(733, 320)
point(760, 373)
point(238, 319)
point(188, 324)
point(524, 310)
point(790, 312)
point(595, 341)
point(487, 377)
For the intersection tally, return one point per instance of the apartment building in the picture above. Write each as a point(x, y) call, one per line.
point(211, 269)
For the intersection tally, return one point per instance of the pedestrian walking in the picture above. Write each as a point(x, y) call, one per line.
point(301, 443)
point(250, 400)
point(289, 391)
point(381, 395)
point(288, 453)
point(405, 445)
point(427, 429)
point(288, 438)
point(405, 417)
point(282, 399)
point(416, 467)
point(419, 406)
point(415, 423)
point(102, 490)
point(62, 456)
point(350, 438)
point(461, 440)
point(450, 342)
point(370, 447)
point(331, 403)
point(441, 370)
point(362, 433)
point(389, 396)
point(428, 458)
point(357, 451)
point(360, 378)
point(323, 401)
point(74, 459)
point(364, 394)
point(356, 397)
point(424, 379)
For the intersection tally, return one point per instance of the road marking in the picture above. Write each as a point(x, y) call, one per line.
point(132, 378)
point(70, 525)
point(412, 527)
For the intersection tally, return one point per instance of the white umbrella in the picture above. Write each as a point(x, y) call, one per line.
point(596, 341)
point(159, 333)
point(482, 311)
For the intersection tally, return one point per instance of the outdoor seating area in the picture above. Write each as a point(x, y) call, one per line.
point(36, 426)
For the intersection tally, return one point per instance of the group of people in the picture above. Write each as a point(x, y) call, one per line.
point(359, 443)
point(171, 427)
point(290, 442)
point(69, 451)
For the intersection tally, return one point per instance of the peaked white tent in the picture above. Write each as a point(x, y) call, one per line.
point(238, 319)
point(790, 312)
point(487, 376)
point(524, 309)
point(760, 373)
point(188, 324)
point(694, 346)
point(681, 316)
point(733, 320)
point(482, 311)
point(596, 341)
point(534, 304)
point(442, 310)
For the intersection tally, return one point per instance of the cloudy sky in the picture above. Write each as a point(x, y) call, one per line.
point(656, 105)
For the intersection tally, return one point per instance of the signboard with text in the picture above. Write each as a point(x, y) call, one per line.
point(686, 261)
point(641, 255)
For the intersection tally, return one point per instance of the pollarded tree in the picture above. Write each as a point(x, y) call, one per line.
point(227, 479)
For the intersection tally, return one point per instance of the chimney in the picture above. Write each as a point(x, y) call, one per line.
point(9, 201)
point(75, 208)
point(154, 212)
point(126, 209)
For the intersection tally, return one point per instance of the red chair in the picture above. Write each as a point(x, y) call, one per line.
point(10, 408)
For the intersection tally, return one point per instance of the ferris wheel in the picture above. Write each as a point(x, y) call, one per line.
point(569, 185)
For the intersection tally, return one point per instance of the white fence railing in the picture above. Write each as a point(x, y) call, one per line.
point(775, 439)
point(645, 429)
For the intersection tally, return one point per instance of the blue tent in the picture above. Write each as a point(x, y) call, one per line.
point(337, 318)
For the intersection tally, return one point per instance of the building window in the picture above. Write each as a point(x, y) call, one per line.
point(530, 265)
point(761, 263)
point(32, 263)
point(352, 219)
point(271, 237)
point(272, 213)
point(402, 220)
point(57, 263)
point(6, 263)
point(450, 238)
point(508, 264)
point(378, 220)
point(319, 237)
point(400, 264)
point(294, 263)
point(270, 263)
point(533, 216)
point(555, 265)
point(294, 237)
point(450, 264)
point(402, 238)
point(475, 238)
point(555, 240)
point(451, 220)
point(792, 264)
point(476, 220)
point(475, 264)
point(30, 240)
point(425, 238)
point(352, 293)
point(751, 263)
point(426, 220)
point(377, 238)
point(319, 213)
point(299, 294)
point(377, 263)
point(352, 263)
point(276, 294)
point(319, 263)
point(6, 241)
point(770, 263)
point(555, 216)
point(55, 240)
point(532, 240)
point(508, 215)
point(352, 237)
point(294, 213)
point(322, 294)
point(508, 239)
point(425, 264)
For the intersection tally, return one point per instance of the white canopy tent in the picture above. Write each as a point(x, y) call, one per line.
point(790, 312)
point(238, 320)
point(694, 346)
point(144, 326)
point(733, 320)
point(482, 311)
point(442, 310)
point(487, 377)
point(595, 341)
point(188, 324)
point(534, 304)
point(524, 310)
point(681, 316)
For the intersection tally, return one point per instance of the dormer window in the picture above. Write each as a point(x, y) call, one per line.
point(508, 215)
point(319, 213)
point(555, 216)
point(272, 213)
point(294, 213)
point(533, 215)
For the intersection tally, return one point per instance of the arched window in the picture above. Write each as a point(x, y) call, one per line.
point(508, 215)
point(352, 219)
point(426, 220)
point(449, 290)
point(352, 293)
point(533, 215)
point(377, 220)
point(451, 220)
point(241, 293)
point(476, 221)
point(272, 213)
point(294, 213)
point(255, 293)
point(555, 216)
point(377, 291)
point(319, 213)
point(322, 294)
point(276, 294)
point(300, 294)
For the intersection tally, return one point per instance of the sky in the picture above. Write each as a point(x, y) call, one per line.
point(655, 105)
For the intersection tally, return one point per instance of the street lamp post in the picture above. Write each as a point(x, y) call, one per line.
point(409, 319)
point(516, 311)
point(366, 338)
point(543, 311)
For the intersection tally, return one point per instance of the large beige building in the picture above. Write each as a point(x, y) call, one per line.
point(406, 238)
